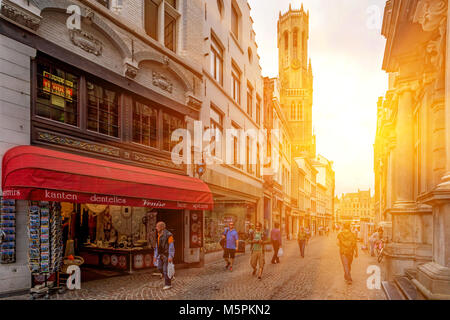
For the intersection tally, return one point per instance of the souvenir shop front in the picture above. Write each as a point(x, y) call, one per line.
point(100, 212)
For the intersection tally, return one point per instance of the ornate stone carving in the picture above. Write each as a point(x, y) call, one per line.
point(161, 163)
point(66, 141)
point(430, 14)
point(162, 82)
point(193, 102)
point(131, 70)
point(166, 60)
point(20, 15)
point(86, 41)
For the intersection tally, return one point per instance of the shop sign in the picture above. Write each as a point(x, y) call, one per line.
point(57, 86)
point(75, 197)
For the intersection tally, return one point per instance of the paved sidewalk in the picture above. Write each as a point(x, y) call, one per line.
point(318, 276)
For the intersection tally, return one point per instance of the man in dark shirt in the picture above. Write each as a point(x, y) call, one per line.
point(275, 236)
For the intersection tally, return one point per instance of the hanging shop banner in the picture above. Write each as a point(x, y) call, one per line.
point(75, 197)
point(196, 229)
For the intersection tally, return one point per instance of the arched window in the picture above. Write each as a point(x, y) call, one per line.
point(286, 40)
point(303, 41)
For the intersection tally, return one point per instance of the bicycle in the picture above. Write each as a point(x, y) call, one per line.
point(380, 250)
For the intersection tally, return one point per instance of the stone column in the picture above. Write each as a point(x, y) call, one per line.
point(407, 249)
point(433, 279)
point(404, 150)
point(161, 14)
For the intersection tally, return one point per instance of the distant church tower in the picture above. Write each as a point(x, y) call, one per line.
point(296, 78)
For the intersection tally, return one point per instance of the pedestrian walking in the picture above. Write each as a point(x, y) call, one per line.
point(374, 240)
point(231, 238)
point(164, 252)
point(275, 237)
point(258, 240)
point(302, 238)
point(308, 234)
point(348, 249)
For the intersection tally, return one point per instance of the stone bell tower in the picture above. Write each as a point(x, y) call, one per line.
point(295, 73)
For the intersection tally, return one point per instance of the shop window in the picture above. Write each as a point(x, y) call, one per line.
point(57, 94)
point(151, 19)
point(170, 124)
point(236, 84)
point(170, 32)
point(145, 125)
point(102, 109)
point(216, 61)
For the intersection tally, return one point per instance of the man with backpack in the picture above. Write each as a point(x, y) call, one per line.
point(230, 240)
point(348, 249)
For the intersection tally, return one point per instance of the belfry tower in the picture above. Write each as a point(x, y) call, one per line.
point(296, 78)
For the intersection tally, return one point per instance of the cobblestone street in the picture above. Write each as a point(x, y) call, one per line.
point(318, 276)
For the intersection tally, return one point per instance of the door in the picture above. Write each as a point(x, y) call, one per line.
point(174, 224)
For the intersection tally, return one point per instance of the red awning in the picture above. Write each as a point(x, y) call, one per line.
point(32, 173)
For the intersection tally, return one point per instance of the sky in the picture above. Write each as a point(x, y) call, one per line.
point(346, 49)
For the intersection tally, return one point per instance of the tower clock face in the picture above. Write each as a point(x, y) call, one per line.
point(295, 64)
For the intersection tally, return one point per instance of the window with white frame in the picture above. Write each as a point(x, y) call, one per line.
point(235, 148)
point(249, 101)
point(217, 125)
point(216, 60)
point(164, 31)
point(236, 84)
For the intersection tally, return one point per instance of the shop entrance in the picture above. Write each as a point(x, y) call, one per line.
point(174, 224)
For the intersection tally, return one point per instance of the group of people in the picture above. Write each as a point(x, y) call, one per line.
point(258, 239)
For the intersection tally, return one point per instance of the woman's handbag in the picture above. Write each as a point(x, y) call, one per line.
point(280, 252)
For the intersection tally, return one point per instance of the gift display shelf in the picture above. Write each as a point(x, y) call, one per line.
point(45, 238)
point(8, 227)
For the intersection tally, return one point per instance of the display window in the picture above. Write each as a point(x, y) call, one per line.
point(57, 94)
point(102, 109)
point(217, 221)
